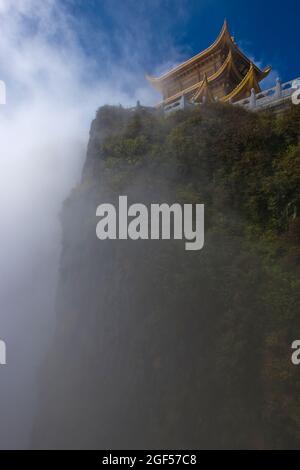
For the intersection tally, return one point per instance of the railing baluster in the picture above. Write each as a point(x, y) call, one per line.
point(255, 101)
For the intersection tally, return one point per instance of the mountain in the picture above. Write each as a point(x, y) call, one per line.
point(158, 347)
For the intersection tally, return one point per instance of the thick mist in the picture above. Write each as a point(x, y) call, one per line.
point(53, 92)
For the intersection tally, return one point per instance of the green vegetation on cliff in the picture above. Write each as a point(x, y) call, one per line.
point(170, 349)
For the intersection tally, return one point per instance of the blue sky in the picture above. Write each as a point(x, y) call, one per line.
point(159, 32)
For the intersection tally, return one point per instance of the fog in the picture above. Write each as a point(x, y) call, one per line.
point(53, 92)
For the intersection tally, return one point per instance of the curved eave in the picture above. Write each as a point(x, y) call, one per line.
point(227, 65)
point(261, 74)
point(228, 62)
point(202, 90)
point(265, 72)
point(224, 36)
point(249, 81)
point(157, 81)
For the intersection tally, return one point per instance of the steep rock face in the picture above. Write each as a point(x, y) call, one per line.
point(157, 347)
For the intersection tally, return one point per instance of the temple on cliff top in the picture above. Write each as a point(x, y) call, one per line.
point(222, 72)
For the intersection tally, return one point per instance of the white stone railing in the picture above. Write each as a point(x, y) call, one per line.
point(270, 97)
point(181, 103)
point(256, 101)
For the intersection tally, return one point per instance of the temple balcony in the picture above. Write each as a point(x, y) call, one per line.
point(275, 99)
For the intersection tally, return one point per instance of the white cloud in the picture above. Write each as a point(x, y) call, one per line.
point(52, 95)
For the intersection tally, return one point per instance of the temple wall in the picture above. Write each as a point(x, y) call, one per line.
point(195, 75)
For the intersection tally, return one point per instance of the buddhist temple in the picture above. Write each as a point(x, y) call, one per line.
point(221, 72)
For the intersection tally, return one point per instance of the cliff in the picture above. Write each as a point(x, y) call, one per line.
point(157, 347)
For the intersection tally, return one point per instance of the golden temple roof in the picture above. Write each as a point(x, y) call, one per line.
point(222, 36)
point(244, 74)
